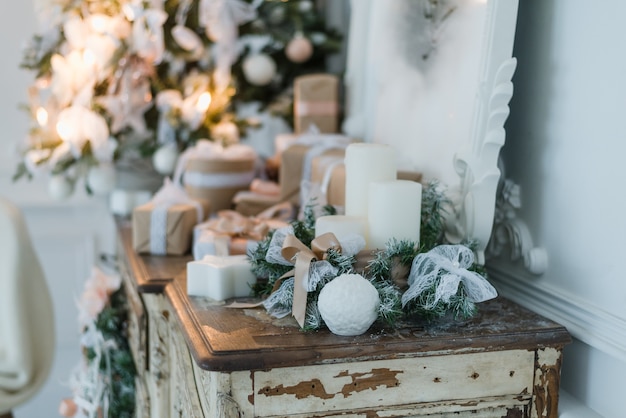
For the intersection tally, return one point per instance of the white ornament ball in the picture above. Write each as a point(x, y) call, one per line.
point(60, 187)
point(299, 49)
point(259, 69)
point(164, 159)
point(349, 304)
point(101, 179)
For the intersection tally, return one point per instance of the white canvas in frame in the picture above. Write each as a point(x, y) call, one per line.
point(437, 89)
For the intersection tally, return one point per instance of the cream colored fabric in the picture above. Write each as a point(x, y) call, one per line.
point(26, 315)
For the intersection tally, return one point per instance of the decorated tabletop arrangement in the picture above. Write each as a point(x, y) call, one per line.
point(131, 83)
point(386, 258)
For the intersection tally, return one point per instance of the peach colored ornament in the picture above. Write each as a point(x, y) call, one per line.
point(259, 69)
point(67, 408)
point(299, 49)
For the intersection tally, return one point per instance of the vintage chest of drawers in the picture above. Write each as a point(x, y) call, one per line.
point(200, 359)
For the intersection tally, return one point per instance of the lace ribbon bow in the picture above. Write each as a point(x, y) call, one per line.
point(446, 267)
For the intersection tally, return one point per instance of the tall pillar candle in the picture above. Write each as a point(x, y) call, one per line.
point(394, 211)
point(366, 163)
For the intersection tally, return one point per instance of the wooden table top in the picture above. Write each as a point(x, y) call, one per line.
point(229, 339)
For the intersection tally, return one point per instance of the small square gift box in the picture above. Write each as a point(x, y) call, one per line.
point(165, 224)
point(231, 233)
point(220, 277)
point(216, 173)
point(298, 160)
point(316, 103)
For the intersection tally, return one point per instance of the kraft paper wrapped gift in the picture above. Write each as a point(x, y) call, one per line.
point(249, 203)
point(231, 233)
point(165, 224)
point(328, 170)
point(208, 242)
point(215, 173)
point(297, 161)
point(316, 103)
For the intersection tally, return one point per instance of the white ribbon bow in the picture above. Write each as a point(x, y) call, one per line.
point(448, 264)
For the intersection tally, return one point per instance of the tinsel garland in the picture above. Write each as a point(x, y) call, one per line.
point(388, 270)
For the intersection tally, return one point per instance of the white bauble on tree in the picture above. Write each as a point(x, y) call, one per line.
point(101, 179)
point(299, 49)
point(349, 304)
point(259, 69)
point(165, 158)
point(60, 187)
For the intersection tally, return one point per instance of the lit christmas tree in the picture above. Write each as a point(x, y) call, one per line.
point(125, 79)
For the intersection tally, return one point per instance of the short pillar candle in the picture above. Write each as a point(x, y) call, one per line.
point(394, 211)
point(366, 163)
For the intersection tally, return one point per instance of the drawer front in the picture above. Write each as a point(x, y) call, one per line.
point(388, 384)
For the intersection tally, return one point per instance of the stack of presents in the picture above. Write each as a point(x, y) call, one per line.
point(221, 202)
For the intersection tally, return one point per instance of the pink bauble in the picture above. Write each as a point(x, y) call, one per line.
point(299, 49)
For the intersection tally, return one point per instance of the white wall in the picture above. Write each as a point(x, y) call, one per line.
point(67, 235)
point(565, 146)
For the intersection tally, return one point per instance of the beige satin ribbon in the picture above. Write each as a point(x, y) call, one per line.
point(304, 256)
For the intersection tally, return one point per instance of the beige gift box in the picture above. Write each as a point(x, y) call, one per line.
point(316, 102)
point(181, 219)
point(221, 196)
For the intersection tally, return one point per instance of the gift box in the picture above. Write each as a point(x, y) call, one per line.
point(249, 203)
point(329, 172)
point(231, 233)
point(215, 173)
point(316, 103)
point(220, 277)
point(297, 161)
point(208, 242)
point(165, 230)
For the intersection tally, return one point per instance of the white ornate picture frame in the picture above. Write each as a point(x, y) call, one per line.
point(433, 79)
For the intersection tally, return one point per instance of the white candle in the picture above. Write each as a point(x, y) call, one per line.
point(220, 278)
point(341, 226)
point(394, 211)
point(366, 163)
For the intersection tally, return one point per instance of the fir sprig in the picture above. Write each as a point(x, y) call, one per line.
point(435, 205)
point(459, 305)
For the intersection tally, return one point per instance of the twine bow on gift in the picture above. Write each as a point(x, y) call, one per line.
point(230, 224)
point(445, 267)
point(303, 256)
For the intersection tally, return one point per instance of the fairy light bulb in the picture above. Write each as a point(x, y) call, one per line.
point(204, 101)
point(42, 116)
